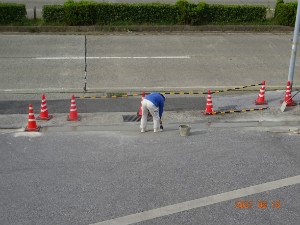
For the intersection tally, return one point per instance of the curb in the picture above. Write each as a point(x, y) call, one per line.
point(149, 28)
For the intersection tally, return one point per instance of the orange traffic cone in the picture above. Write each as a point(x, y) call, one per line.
point(44, 111)
point(73, 111)
point(209, 105)
point(288, 96)
point(140, 113)
point(261, 96)
point(31, 121)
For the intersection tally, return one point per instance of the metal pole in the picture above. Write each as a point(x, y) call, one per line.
point(85, 73)
point(34, 13)
point(294, 46)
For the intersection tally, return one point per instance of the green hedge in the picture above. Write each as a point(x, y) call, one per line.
point(90, 13)
point(53, 13)
point(202, 13)
point(80, 13)
point(183, 12)
point(10, 12)
point(285, 13)
point(236, 13)
point(152, 13)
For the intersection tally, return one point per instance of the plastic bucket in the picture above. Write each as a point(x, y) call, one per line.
point(184, 130)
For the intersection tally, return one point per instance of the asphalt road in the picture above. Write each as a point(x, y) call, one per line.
point(100, 105)
point(30, 4)
point(82, 177)
point(140, 61)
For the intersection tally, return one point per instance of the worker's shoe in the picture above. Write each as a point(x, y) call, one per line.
point(143, 130)
point(156, 130)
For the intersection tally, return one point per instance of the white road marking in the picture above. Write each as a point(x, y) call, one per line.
point(116, 57)
point(184, 206)
point(40, 89)
point(57, 58)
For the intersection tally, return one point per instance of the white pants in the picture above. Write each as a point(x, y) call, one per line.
point(147, 105)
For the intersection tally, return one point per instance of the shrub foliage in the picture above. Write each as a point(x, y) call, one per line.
point(53, 14)
point(236, 13)
point(10, 12)
point(202, 13)
point(285, 13)
point(183, 12)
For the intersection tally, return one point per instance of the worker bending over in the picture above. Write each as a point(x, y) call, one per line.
point(155, 104)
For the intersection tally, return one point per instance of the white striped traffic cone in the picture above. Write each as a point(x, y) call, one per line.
point(73, 111)
point(288, 96)
point(209, 105)
point(261, 96)
point(139, 113)
point(31, 121)
point(44, 110)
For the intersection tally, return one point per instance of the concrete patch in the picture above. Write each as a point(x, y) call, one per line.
point(21, 133)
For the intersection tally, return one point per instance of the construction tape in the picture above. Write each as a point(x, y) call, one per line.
point(234, 89)
point(114, 96)
point(235, 111)
point(172, 93)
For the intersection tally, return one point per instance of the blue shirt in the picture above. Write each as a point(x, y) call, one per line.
point(158, 100)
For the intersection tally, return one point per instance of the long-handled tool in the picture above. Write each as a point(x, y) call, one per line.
point(283, 106)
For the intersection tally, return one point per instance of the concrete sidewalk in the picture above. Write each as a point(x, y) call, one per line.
point(114, 121)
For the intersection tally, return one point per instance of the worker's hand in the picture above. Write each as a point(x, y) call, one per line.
point(161, 126)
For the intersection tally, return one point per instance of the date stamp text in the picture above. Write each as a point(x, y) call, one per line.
point(259, 204)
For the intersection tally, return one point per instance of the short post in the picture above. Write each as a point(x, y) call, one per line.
point(85, 72)
point(34, 13)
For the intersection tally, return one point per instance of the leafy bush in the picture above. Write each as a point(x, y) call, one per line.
point(198, 14)
point(10, 12)
point(285, 13)
point(184, 7)
point(235, 13)
point(80, 13)
point(190, 13)
point(53, 13)
point(90, 13)
point(183, 12)
point(152, 13)
point(278, 5)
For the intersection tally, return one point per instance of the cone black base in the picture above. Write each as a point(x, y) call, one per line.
point(34, 130)
point(205, 113)
point(46, 119)
point(261, 103)
point(77, 119)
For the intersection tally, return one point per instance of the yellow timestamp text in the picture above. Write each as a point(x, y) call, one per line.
point(259, 204)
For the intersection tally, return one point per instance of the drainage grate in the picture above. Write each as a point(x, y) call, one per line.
point(134, 118)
